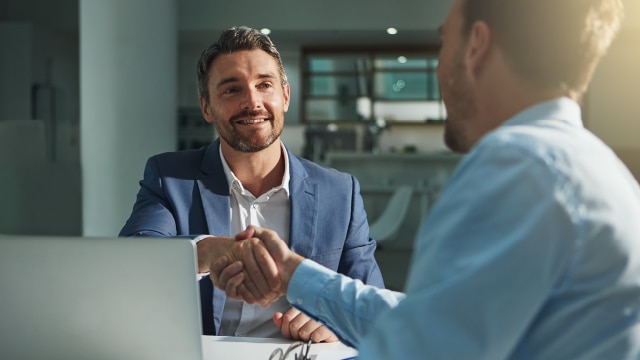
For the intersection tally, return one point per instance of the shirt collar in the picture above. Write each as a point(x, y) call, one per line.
point(561, 108)
point(231, 177)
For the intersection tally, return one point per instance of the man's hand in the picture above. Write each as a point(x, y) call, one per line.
point(255, 287)
point(297, 326)
point(234, 279)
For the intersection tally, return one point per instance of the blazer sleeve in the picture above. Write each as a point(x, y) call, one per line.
point(152, 214)
point(358, 255)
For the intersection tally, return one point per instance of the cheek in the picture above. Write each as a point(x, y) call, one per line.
point(442, 64)
point(275, 102)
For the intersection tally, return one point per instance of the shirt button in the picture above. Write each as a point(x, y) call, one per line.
point(255, 206)
point(299, 301)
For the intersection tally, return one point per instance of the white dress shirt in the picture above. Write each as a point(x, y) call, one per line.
point(271, 210)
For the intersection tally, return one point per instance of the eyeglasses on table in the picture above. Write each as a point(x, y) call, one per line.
point(302, 354)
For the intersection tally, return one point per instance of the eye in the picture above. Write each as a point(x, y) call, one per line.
point(266, 85)
point(230, 90)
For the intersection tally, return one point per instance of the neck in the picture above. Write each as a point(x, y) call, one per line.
point(259, 171)
point(502, 94)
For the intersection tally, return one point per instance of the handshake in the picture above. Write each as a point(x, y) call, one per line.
point(255, 267)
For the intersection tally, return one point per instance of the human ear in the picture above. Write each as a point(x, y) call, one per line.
point(478, 47)
point(206, 110)
point(287, 95)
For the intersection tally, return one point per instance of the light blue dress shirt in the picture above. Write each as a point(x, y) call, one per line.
point(532, 252)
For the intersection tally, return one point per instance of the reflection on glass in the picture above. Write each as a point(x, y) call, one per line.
point(331, 110)
point(335, 85)
point(405, 86)
point(410, 111)
point(400, 62)
point(338, 63)
point(392, 86)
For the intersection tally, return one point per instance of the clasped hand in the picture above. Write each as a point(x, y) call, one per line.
point(251, 266)
point(257, 270)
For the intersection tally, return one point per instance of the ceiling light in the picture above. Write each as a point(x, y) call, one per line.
point(392, 31)
point(265, 31)
point(402, 59)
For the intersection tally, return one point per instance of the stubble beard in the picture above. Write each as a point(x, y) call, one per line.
point(461, 110)
point(249, 144)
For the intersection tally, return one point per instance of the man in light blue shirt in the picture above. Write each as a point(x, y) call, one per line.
point(533, 250)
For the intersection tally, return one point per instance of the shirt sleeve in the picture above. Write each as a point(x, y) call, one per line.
point(347, 306)
point(485, 261)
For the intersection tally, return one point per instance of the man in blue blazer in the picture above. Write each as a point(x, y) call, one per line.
point(248, 177)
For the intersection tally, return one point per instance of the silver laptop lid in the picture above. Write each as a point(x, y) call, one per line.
point(98, 298)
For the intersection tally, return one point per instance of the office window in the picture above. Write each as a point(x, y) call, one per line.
point(399, 86)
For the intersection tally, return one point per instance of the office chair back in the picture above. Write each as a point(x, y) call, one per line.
point(386, 226)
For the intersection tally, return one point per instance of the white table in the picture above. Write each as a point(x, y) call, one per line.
point(229, 347)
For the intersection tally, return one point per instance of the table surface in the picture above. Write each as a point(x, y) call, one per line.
point(229, 347)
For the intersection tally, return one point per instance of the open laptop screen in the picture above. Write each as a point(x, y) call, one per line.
point(98, 298)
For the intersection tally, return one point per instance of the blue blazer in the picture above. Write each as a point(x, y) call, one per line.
point(186, 193)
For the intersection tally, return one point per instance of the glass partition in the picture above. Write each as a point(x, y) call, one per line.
point(396, 86)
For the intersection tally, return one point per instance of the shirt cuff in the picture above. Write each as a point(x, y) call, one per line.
point(307, 283)
point(200, 276)
point(199, 237)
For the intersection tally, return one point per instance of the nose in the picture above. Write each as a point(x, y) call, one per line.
point(252, 100)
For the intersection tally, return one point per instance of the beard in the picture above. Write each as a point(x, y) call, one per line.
point(460, 105)
point(251, 143)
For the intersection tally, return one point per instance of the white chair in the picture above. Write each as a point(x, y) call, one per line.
point(386, 226)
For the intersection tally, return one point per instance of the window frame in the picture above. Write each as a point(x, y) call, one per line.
point(370, 73)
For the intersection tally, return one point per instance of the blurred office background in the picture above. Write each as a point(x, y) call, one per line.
point(89, 89)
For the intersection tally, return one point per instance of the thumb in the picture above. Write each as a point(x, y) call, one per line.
point(246, 234)
point(277, 319)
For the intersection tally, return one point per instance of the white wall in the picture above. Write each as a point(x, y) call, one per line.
point(128, 105)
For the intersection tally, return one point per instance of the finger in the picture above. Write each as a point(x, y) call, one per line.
point(295, 325)
point(245, 294)
point(248, 286)
point(305, 331)
point(232, 286)
point(245, 234)
point(216, 268)
point(230, 281)
point(287, 319)
point(260, 286)
point(277, 319)
point(274, 244)
point(323, 334)
point(230, 272)
point(268, 267)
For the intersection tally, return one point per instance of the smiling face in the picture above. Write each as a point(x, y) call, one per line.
point(247, 99)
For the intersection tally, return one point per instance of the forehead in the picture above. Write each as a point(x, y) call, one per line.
point(243, 63)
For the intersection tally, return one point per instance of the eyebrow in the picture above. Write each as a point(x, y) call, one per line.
point(233, 79)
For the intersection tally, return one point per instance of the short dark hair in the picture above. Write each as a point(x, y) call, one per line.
point(232, 40)
point(552, 43)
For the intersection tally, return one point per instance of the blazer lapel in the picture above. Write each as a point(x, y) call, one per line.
point(304, 209)
point(214, 193)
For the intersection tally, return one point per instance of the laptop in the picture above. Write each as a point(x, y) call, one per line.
point(98, 298)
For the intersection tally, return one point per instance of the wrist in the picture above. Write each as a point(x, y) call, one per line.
point(209, 249)
point(289, 266)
